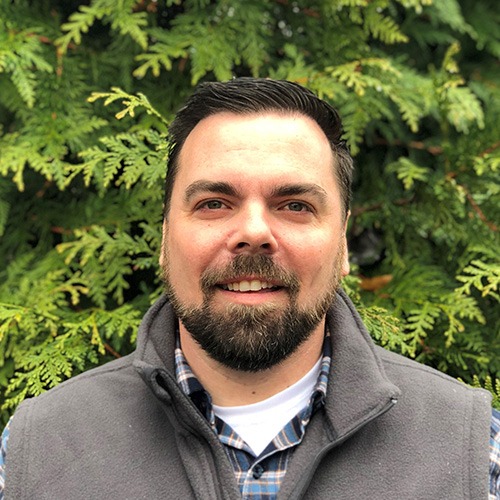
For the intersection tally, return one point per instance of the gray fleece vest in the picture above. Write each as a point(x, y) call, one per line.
point(390, 429)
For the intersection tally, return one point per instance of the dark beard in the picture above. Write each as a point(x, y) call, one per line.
point(251, 338)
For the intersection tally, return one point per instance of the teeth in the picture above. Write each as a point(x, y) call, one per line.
point(248, 286)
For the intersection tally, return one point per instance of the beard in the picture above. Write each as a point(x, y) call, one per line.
point(252, 338)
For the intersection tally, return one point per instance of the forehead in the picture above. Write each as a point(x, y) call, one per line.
point(269, 146)
point(232, 129)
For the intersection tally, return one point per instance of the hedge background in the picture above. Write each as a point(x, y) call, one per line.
point(87, 90)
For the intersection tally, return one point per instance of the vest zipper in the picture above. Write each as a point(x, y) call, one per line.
point(193, 421)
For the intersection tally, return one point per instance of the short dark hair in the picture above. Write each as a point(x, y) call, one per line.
point(256, 95)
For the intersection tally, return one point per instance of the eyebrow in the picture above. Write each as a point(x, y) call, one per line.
point(300, 189)
point(204, 186)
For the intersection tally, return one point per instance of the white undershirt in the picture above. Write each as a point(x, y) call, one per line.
point(257, 424)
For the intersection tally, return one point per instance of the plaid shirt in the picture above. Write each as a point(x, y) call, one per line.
point(495, 456)
point(258, 477)
point(3, 452)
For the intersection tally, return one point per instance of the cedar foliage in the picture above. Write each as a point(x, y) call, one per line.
point(87, 89)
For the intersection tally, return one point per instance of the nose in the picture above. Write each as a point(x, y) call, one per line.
point(253, 231)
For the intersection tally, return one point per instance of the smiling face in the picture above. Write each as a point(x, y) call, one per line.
point(254, 243)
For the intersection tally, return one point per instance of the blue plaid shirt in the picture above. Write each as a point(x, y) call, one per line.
point(495, 456)
point(258, 477)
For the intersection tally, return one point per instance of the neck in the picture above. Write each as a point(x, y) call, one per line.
point(229, 387)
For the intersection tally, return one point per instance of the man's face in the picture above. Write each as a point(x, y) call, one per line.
point(254, 244)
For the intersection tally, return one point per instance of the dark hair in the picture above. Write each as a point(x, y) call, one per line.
point(255, 95)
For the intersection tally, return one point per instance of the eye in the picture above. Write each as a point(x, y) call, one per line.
point(212, 205)
point(297, 206)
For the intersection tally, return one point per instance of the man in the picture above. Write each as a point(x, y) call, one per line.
point(254, 376)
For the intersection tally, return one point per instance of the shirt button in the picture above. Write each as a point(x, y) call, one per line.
point(258, 470)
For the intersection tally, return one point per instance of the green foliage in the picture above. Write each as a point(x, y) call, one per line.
point(87, 90)
point(488, 384)
point(384, 327)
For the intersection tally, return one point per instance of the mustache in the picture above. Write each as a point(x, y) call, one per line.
point(254, 265)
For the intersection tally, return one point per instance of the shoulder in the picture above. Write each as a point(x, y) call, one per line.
point(107, 398)
point(409, 371)
point(118, 368)
point(96, 387)
point(423, 383)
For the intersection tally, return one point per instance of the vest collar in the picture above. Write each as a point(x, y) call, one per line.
point(358, 388)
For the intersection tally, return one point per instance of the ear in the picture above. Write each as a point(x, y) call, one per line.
point(345, 267)
point(163, 242)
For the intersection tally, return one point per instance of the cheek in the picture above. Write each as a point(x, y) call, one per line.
point(188, 256)
point(316, 262)
point(182, 263)
point(192, 239)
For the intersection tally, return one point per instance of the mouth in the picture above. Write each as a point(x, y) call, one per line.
point(253, 285)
